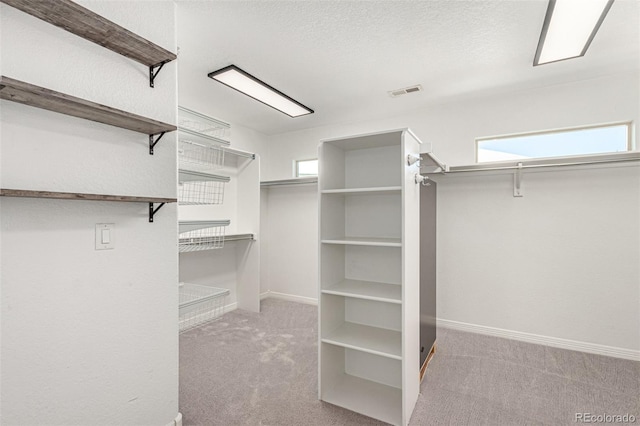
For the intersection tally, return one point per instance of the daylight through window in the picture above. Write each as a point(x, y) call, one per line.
point(559, 143)
point(307, 168)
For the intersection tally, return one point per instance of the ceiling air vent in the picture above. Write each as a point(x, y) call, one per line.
point(405, 90)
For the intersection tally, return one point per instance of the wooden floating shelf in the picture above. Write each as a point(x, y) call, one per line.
point(89, 25)
point(79, 196)
point(32, 95)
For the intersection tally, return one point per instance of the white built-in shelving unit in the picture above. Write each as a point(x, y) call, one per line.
point(369, 274)
point(219, 208)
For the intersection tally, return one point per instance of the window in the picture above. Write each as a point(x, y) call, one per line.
point(307, 168)
point(558, 143)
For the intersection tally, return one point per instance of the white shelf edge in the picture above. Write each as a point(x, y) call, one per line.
point(361, 349)
point(343, 289)
point(364, 332)
point(196, 176)
point(351, 242)
point(289, 182)
point(361, 296)
point(202, 138)
point(192, 225)
point(363, 190)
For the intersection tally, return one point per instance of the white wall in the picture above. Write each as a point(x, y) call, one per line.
point(562, 262)
point(290, 241)
point(88, 337)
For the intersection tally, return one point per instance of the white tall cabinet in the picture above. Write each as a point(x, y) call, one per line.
point(369, 274)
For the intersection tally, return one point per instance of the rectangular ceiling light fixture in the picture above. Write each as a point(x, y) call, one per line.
point(244, 82)
point(568, 29)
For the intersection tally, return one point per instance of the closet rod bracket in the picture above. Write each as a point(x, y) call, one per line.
point(517, 182)
point(153, 72)
point(153, 142)
point(153, 211)
point(422, 179)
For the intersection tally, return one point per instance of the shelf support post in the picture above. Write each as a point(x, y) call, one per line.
point(152, 142)
point(153, 211)
point(517, 181)
point(153, 74)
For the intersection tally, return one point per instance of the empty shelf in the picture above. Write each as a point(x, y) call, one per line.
point(29, 94)
point(366, 397)
point(201, 235)
point(80, 196)
point(191, 294)
point(365, 241)
point(200, 125)
point(192, 225)
point(381, 292)
point(199, 304)
point(239, 237)
point(287, 182)
point(194, 176)
point(93, 27)
point(200, 138)
point(373, 191)
point(239, 153)
point(373, 340)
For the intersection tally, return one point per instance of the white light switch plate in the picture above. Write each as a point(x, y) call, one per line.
point(105, 236)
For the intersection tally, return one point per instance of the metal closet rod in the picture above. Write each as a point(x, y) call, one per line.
point(539, 166)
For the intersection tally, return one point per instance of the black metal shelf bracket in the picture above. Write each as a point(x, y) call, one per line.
point(153, 142)
point(153, 211)
point(153, 72)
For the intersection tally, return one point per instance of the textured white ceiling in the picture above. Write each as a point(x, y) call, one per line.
point(341, 57)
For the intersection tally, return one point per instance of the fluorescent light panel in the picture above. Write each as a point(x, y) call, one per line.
point(569, 27)
point(244, 82)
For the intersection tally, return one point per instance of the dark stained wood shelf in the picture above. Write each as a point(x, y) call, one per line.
point(29, 94)
point(78, 196)
point(89, 25)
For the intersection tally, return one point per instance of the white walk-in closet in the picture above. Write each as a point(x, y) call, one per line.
point(229, 213)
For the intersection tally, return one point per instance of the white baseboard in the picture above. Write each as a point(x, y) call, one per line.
point(555, 342)
point(177, 421)
point(230, 307)
point(290, 297)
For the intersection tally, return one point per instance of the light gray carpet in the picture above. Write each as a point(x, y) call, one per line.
point(261, 369)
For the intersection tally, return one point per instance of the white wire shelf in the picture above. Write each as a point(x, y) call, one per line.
point(199, 125)
point(239, 237)
point(201, 235)
point(199, 304)
point(197, 188)
point(240, 153)
point(200, 156)
point(287, 182)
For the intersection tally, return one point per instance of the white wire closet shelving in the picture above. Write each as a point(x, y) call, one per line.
point(202, 127)
point(197, 188)
point(199, 304)
point(200, 157)
point(201, 235)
